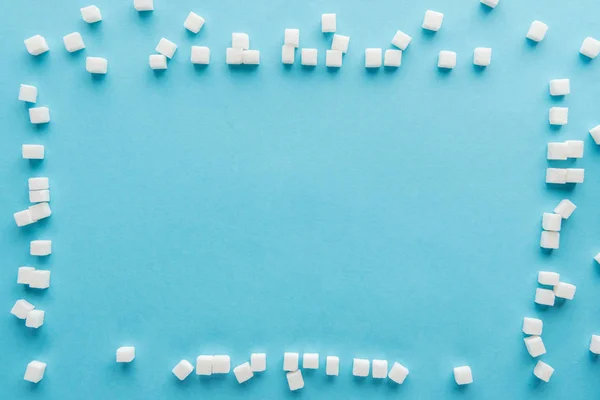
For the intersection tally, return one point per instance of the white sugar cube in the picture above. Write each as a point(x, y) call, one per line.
point(551, 222)
point(258, 362)
point(544, 297)
point(35, 319)
point(96, 65)
point(310, 361)
point(398, 373)
point(309, 57)
point(490, 3)
point(543, 371)
point(340, 43)
point(560, 87)
point(125, 354)
point(39, 115)
point(535, 346)
point(240, 41)
point(251, 57)
point(39, 279)
point(550, 240)
point(332, 366)
point(24, 275)
point(221, 364)
point(23, 218)
point(333, 58)
point(40, 247)
point(360, 367)
point(532, 326)
point(565, 208)
point(193, 22)
point(380, 369)
point(292, 37)
point(36, 45)
point(295, 380)
point(556, 175)
point(32, 151)
point(234, 56)
point(373, 58)
point(447, 59)
point(392, 58)
point(38, 183)
point(73, 42)
point(328, 23)
point(463, 375)
point(183, 369)
point(548, 278)
point(557, 151)
point(35, 371)
point(204, 365)
point(28, 93)
point(91, 14)
point(157, 61)
point(39, 196)
point(595, 134)
point(40, 211)
point(590, 47)
point(401, 40)
point(143, 5)
point(574, 148)
point(597, 258)
point(595, 344)
point(290, 361)
point(433, 20)
point(243, 372)
point(288, 53)
point(200, 55)
point(537, 31)
point(21, 309)
point(564, 290)
point(575, 175)
point(559, 115)
point(482, 56)
point(166, 47)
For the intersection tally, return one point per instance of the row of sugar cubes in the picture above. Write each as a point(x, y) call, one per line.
point(39, 193)
point(552, 224)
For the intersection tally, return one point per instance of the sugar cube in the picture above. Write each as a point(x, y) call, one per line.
point(21, 309)
point(28, 93)
point(574, 148)
point(38, 183)
point(333, 58)
point(597, 258)
point(288, 53)
point(221, 364)
point(258, 362)
point(380, 369)
point(559, 115)
point(23, 218)
point(548, 278)
point(295, 380)
point(234, 56)
point(204, 365)
point(39, 279)
point(310, 361)
point(183, 369)
point(490, 3)
point(401, 40)
point(243, 372)
point(544, 297)
point(447, 59)
point(166, 47)
point(290, 361)
point(560, 87)
point(309, 57)
point(332, 366)
point(240, 41)
point(35, 371)
point(532, 326)
point(96, 65)
point(482, 56)
point(360, 367)
point(73, 42)
point(200, 55)
point(550, 240)
point(373, 58)
point(595, 134)
point(143, 5)
point(433, 20)
point(556, 175)
point(543, 371)
point(193, 22)
point(328, 23)
point(340, 43)
point(24, 275)
point(39, 115)
point(537, 31)
point(398, 373)
point(575, 175)
point(32, 151)
point(564, 290)
point(595, 344)
point(36, 45)
point(251, 57)
point(557, 151)
point(40, 211)
point(292, 37)
point(91, 14)
point(463, 375)
point(125, 354)
point(40, 247)
point(535, 346)
point(158, 61)
point(551, 222)
point(35, 319)
point(392, 58)
point(590, 47)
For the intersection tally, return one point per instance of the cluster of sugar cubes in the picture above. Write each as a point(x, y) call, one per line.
point(240, 53)
point(39, 193)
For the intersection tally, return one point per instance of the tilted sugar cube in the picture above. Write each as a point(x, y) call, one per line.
point(401, 40)
point(544, 297)
point(532, 326)
point(328, 23)
point(590, 47)
point(288, 54)
point(73, 42)
point(35, 371)
point(360, 367)
point(23, 218)
point(543, 371)
point(39, 115)
point(551, 222)
point(463, 375)
point(398, 373)
point(39, 279)
point(565, 208)
point(560, 87)
point(482, 56)
point(204, 365)
point(96, 65)
point(91, 14)
point(309, 57)
point(310, 361)
point(550, 240)
point(38, 183)
point(21, 309)
point(537, 31)
point(143, 5)
point(36, 45)
point(556, 175)
point(200, 55)
point(193, 22)
point(221, 364)
point(32, 151)
point(447, 59)
point(243, 372)
point(295, 380)
point(373, 58)
point(183, 369)
point(240, 41)
point(575, 175)
point(392, 58)
point(40, 211)
point(595, 134)
point(332, 365)
point(557, 151)
point(40, 247)
point(125, 354)
point(380, 369)
point(251, 57)
point(490, 3)
point(258, 362)
point(433, 20)
point(535, 346)
point(35, 319)
point(290, 361)
point(292, 37)
point(157, 61)
point(333, 58)
point(166, 47)
point(234, 56)
point(559, 115)
point(340, 43)
point(24, 275)
point(574, 148)
point(564, 290)
point(548, 278)
point(595, 344)
point(28, 93)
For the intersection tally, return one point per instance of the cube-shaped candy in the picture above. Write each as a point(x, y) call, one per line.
point(32, 151)
point(24, 275)
point(200, 55)
point(221, 364)
point(310, 361)
point(556, 175)
point(39, 279)
point(537, 31)
point(204, 365)
point(28, 93)
point(21, 309)
point(373, 58)
point(258, 362)
point(340, 43)
point(557, 151)
point(40, 247)
point(551, 222)
point(290, 361)
point(183, 369)
point(574, 148)
point(535, 346)
point(193, 22)
point(544, 297)
point(251, 57)
point(96, 65)
point(463, 375)
point(548, 278)
point(166, 47)
point(35, 319)
point(36, 45)
point(482, 56)
point(595, 344)
point(125, 354)
point(564, 290)
point(392, 58)
point(590, 47)
point(332, 366)
point(543, 371)
point(292, 37)
point(565, 208)
point(532, 326)
point(380, 369)
point(398, 373)
point(333, 58)
point(240, 41)
point(243, 372)
point(360, 367)
point(401, 40)
point(234, 56)
point(143, 5)
point(447, 59)
point(73, 42)
point(295, 380)
point(288, 54)
point(39, 115)
point(559, 115)
point(157, 61)
point(91, 14)
point(433, 20)
point(560, 87)
point(328, 23)
point(309, 57)
point(35, 371)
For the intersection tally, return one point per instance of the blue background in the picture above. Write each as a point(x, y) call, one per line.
point(388, 214)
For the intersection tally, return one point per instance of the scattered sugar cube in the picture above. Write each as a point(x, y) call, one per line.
point(551, 222)
point(559, 115)
point(550, 240)
point(251, 57)
point(595, 344)
point(240, 41)
point(73, 42)
point(398, 373)
point(166, 47)
point(193, 22)
point(556, 175)
point(463, 375)
point(35, 319)
point(125, 354)
point(288, 54)
point(200, 55)
point(40, 247)
point(537, 31)
point(309, 57)
point(373, 58)
point(290, 361)
point(595, 134)
point(447, 59)
point(380, 369)
point(548, 278)
point(401, 40)
point(392, 58)
point(597, 258)
point(158, 61)
point(23, 218)
point(292, 37)
point(28, 93)
point(183, 369)
point(243, 372)
point(36, 45)
point(360, 367)
point(295, 380)
point(543, 371)
point(544, 297)
point(39, 115)
point(39, 279)
point(91, 14)
point(310, 361)
point(40, 211)
point(490, 3)
point(96, 65)
point(482, 56)
point(24, 275)
point(333, 58)
point(433, 20)
point(332, 366)
point(234, 56)
point(221, 364)
point(38, 183)
point(590, 47)
point(21, 309)
point(574, 148)
point(328, 23)
point(557, 151)
point(258, 362)
point(204, 365)
point(564, 290)
point(35, 371)
point(32, 151)
point(39, 196)
point(575, 175)
point(532, 326)
point(340, 43)
point(560, 87)
point(535, 346)
point(143, 5)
